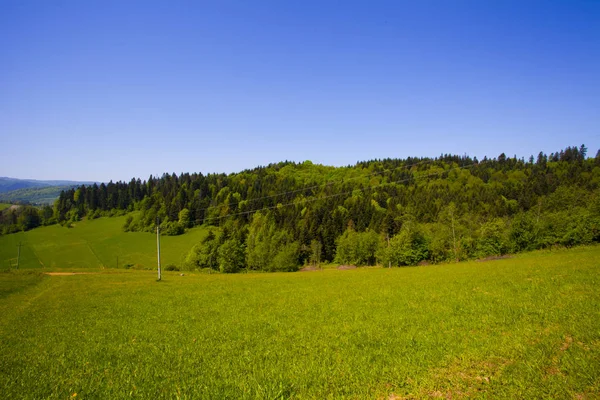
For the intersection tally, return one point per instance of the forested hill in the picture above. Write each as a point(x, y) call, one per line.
point(450, 207)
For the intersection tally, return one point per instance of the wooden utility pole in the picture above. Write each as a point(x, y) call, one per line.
point(454, 236)
point(389, 260)
point(158, 244)
point(18, 255)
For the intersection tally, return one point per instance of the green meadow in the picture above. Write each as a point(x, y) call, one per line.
point(93, 244)
point(525, 327)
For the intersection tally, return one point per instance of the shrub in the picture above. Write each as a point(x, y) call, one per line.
point(357, 248)
point(171, 267)
point(172, 228)
point(231, 256)
point(406, 248)
point(286, 258)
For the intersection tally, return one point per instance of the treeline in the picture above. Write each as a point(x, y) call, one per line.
point(18, 218)
point(390, 211)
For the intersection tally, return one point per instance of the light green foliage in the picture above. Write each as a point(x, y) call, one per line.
point(492, 239)
point(316, 248)
point(205, 253)
point(270, 249)
point(523, 234)
point(126, 225)
point(521, 328)
point(184, 218)
point(357, 248)
point(230, 256)
point(286, 258)
point(406, 248)
point(171, 228)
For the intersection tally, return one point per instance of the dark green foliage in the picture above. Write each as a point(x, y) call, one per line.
point(127, 224)
point(172, 228)
point(22, 218)
point(205, 253)
point(29, 218)
point(171, 267)
point(450, 208)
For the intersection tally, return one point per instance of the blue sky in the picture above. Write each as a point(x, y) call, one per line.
point(101, 90)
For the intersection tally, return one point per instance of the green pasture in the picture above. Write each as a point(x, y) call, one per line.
point(4, 206)
point(520, 328)
point(93, 244)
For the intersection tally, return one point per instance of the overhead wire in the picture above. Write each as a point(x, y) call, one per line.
point(309, 200)
point(330, 183)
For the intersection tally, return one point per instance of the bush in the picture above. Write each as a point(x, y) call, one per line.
point(231, 256)
point(171, 267)
point(522, 234)
point(406, 248)
point(204, 254)
point(286, 258)
point(172, 229)
point(357, 248)
point(127, 224)
point(491, 240)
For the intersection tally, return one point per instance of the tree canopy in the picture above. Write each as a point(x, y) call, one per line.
point(388, 211)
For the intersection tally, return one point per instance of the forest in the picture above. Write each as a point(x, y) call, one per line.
point(391, 212)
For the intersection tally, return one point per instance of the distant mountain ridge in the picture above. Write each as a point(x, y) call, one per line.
point(32, 191)
point(9, 184)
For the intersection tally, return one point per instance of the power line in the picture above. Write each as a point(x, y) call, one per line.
point(330, 183)
point(337, 194)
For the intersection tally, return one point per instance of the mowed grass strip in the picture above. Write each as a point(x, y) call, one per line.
point(526, 327)
point(94, 244)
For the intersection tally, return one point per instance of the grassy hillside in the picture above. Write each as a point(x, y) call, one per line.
point(93, 244)
point(4, 206)
point(525, 328)
point(10, 184)
point(36, 195)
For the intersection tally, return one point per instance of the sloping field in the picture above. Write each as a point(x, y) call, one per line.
point(93, 244)
point(526, 327)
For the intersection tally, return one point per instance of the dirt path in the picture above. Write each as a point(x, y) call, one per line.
point(69, 273)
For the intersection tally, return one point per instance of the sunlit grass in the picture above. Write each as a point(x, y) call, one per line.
point(526, 327)
point(95, 244)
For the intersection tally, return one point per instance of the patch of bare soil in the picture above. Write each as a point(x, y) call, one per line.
point(345, 267)
point(492, 258)
point(464, 380)
point(309, 268)
point(69, 273)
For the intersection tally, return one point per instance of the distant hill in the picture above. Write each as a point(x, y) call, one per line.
point(34, 191)
point(10, 184)
point(34, 195)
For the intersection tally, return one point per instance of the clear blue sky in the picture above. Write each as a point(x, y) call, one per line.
point(101, 90)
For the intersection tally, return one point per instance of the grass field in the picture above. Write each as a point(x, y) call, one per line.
point(524, 328)
point(93, 244)
point(4, 206)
